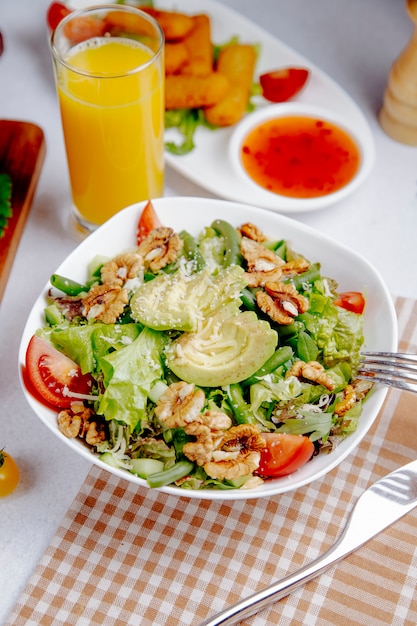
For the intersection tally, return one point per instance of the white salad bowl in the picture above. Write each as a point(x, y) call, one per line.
point(352, 272)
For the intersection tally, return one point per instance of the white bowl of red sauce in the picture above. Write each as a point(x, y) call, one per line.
point(308, 156)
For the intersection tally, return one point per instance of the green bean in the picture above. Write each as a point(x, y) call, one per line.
point(280, 356)
point(279, 247)
point(232, 239)
point(174, 473)
point(248, 299)
point(191, 250)
point(66, 285)
point(241, 410)
point(310, 276)
point(286, 332)
point(170, 377)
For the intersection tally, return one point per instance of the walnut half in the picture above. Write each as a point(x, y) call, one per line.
point(263, 264)
point(80, 421)
point(238, 454)
point(313, 372)
point(208, 431)
point(105, 303)
point(180, 405)
point(122, 267)
point(251, 231)
point(282, 302)
point(160, 248)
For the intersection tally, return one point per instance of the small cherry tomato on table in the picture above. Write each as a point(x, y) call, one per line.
point(283, 84)
point(9, 474)
point(351, 301)
point(56, 12)
point(51, 376)
point(148, 221)
point(284, 454)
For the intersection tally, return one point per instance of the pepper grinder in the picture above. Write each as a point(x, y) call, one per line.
point(398, 116)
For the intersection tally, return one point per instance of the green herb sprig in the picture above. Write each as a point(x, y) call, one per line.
point(5, 202)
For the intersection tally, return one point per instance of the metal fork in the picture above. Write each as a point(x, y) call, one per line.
point(395, 369)
point(382, 504)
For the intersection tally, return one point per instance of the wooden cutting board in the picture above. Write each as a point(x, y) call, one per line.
point(22, 153)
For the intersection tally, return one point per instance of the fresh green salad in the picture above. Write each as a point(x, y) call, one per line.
point(215, 361)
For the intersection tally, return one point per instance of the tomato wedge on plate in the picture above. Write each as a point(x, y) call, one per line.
point(84, 27)
point(56, 12)
point(53, 377)
point(281, 85)
point(351, 301)
point(283, 454)
point(79, 29)
point(148, 221)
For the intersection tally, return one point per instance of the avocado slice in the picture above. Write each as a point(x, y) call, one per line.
point(161, 304)
point(179, 302)
point(227, 348)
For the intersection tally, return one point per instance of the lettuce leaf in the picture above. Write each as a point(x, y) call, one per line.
point(128, 376)
point(316, 424)
point(87, 344)
point(338, 334)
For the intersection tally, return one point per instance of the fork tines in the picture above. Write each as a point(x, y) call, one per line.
point(394, 369)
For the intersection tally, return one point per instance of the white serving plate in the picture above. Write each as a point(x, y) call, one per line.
point(352, 272)
point(209, 164)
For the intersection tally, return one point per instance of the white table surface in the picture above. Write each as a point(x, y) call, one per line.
point(355, 43)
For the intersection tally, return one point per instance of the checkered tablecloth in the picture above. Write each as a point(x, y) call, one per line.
point(124, 555)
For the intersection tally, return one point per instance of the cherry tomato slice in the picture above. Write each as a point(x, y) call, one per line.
point(53, 377)
point(148, 221)
point(283, 84)
point(9, 474)
point(79, 29)
point(84, 27)
point(284, 454)
point(56, 12)
point(351, 301)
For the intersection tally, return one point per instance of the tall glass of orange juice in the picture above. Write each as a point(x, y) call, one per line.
point(109, 74)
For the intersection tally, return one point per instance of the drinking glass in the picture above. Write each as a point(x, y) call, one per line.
point(109, 75)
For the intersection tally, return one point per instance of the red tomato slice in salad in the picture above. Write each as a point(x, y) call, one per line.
point(53, 377)
point(148, 221)
point(351, 301)
point(284, 454)
point(56, 12)
point(283, 84)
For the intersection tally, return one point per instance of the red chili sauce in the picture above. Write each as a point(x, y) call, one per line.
point(300, 157)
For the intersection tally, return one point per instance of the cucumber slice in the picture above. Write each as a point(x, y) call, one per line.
point(96, 264)
point(239, 482)
point(110, 459)
point(146, 467)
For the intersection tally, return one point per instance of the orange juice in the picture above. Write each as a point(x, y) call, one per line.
point(112, 107)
